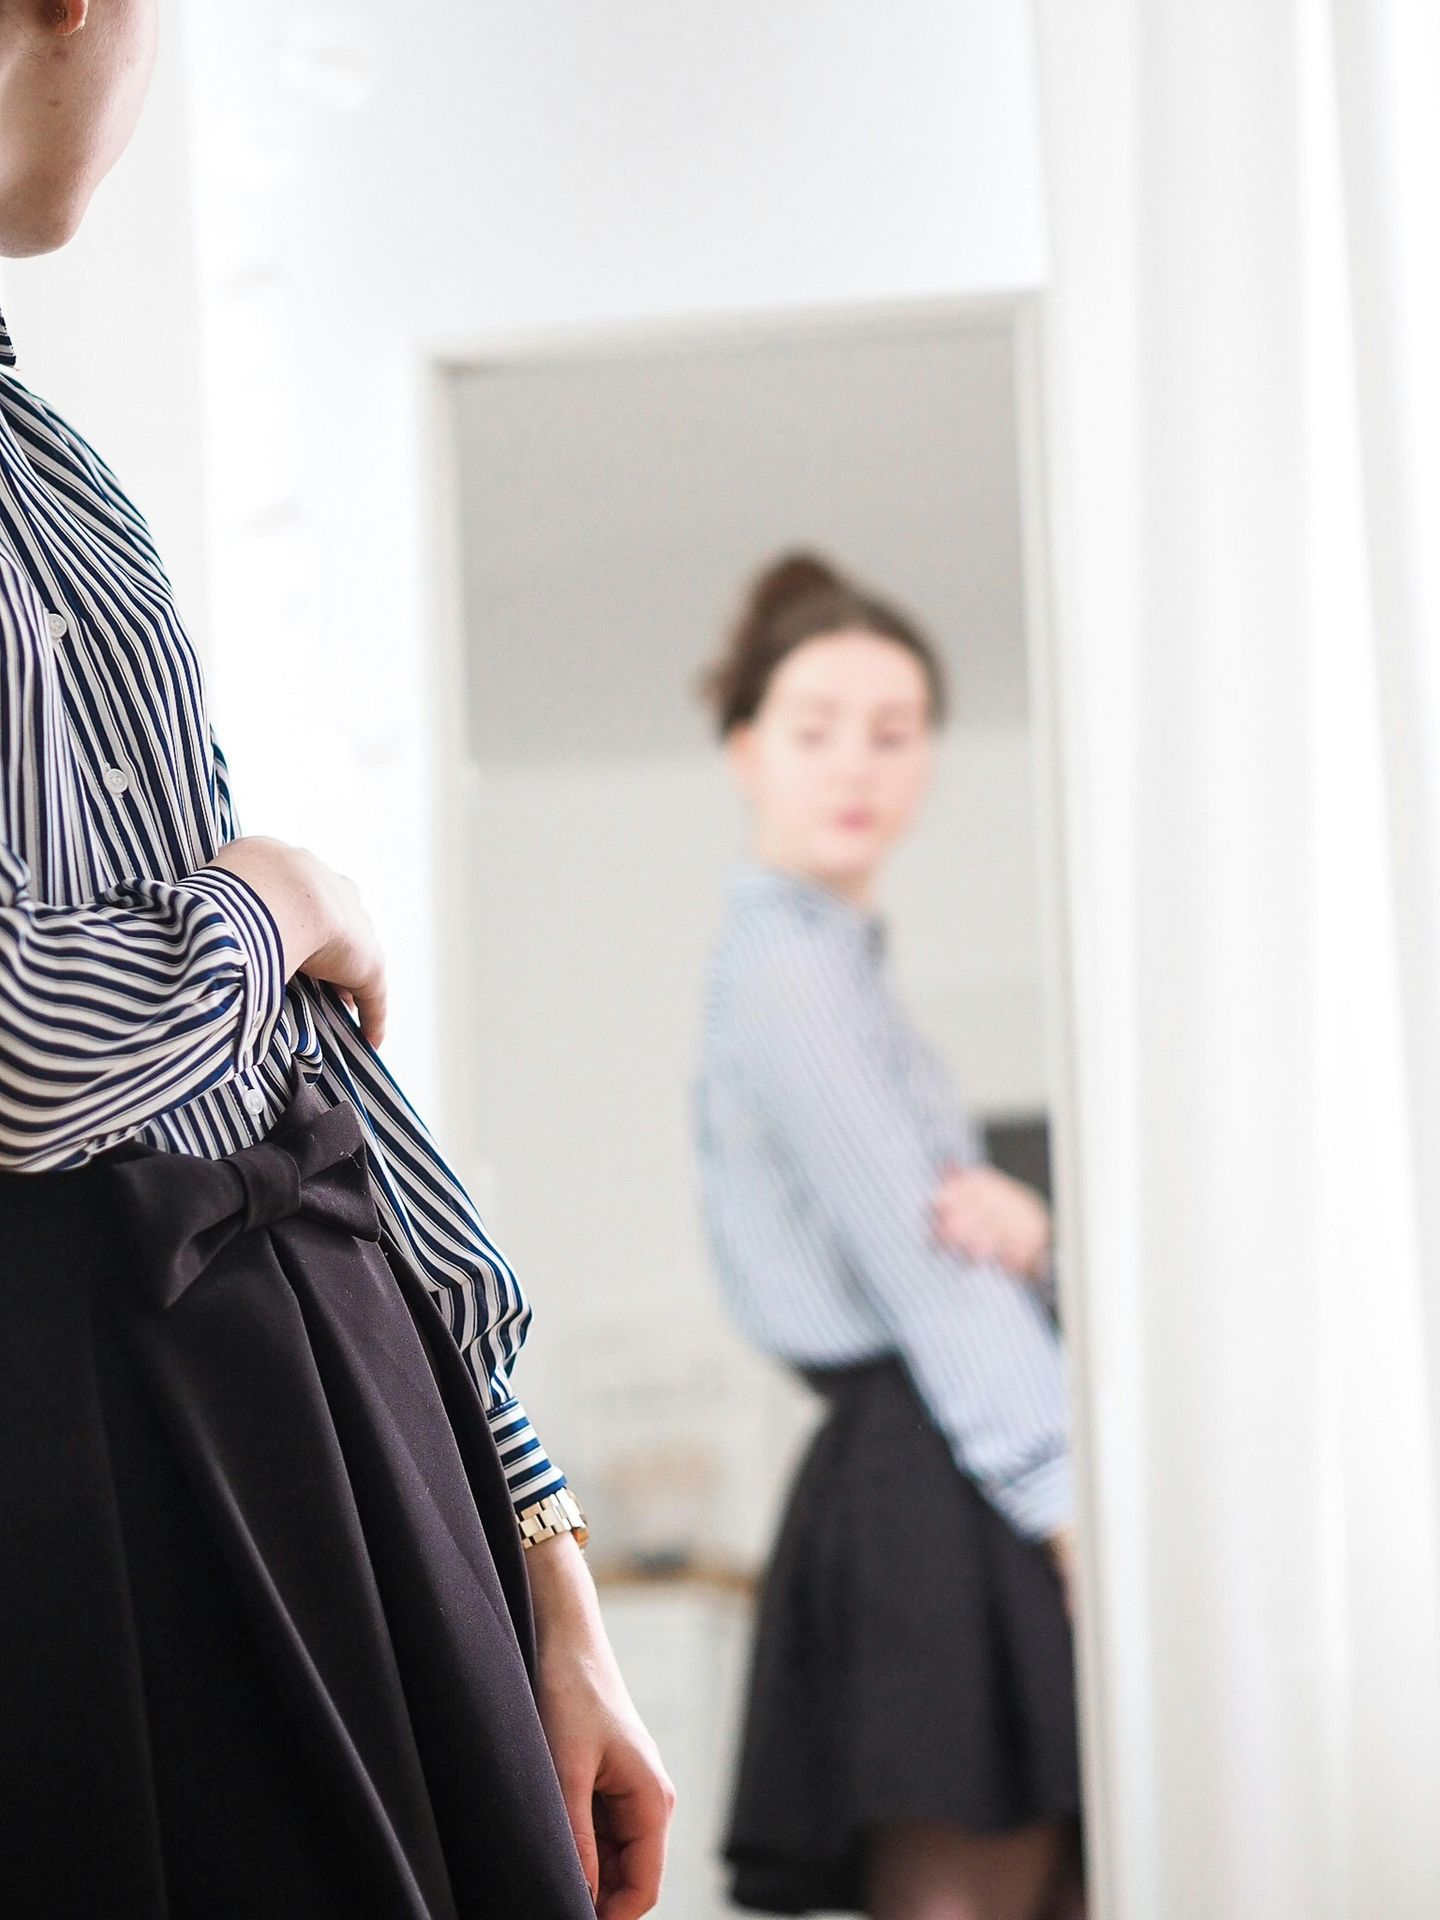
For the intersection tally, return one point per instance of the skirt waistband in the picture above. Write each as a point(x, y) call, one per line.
point(838, 1383)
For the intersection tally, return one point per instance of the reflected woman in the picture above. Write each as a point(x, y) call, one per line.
point(909, 1748)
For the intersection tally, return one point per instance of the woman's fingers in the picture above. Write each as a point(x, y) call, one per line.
point(974, 1213)
point(1062, 1552)
point(967, 1236)
point(986, 1215)
point(968, 1217)
point(580, 1806)
point(372, 1005)
point(635, 1822)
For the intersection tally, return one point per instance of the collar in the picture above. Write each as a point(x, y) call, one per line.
point(7, 351)
point(755, 881)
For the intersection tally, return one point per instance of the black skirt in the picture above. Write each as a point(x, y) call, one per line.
point(265, 1641)
point(912, 1659)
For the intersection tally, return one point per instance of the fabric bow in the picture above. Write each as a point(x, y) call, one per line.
point(183, 1211)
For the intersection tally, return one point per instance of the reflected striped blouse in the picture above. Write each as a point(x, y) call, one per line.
point(825, 1125)
point(142, 992)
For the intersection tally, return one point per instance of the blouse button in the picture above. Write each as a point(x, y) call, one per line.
point(116, 779)
point(255, 1100)
point(59, 626)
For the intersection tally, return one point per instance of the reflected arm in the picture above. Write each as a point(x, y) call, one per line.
point(979, 1345)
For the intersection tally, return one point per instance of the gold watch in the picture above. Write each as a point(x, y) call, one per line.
point(558, 1512)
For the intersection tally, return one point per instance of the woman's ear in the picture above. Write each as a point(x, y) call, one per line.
point(741, 755)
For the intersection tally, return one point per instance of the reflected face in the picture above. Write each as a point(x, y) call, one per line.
point(73, 75)
point(838, 759)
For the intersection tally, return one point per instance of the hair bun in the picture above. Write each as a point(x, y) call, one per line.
point(791, 578)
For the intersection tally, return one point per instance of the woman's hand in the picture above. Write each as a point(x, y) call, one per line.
point(1061, 1548)
point(324, 929)
point(616, 1791)
point(986, 1215)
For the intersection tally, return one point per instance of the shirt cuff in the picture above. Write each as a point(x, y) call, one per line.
point(262, 957)
point(1040, 1502)
point(528, 1469)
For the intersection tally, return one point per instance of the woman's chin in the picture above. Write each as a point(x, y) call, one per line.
point(848, 863)
point(40, 222)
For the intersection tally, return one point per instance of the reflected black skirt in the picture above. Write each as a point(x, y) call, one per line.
point(912, 1659)
point(265, 1642)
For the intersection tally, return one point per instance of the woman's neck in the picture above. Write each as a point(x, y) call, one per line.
point(857, 889)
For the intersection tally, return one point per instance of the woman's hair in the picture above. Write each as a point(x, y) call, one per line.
point(800, 597)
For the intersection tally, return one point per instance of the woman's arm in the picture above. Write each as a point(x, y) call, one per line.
point(617, 1793)
point(122, 1008)
point(115, 1012)
point(978, 1343)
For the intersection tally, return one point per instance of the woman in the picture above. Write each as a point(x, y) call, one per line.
point(909, 1748)
point(269, 1638)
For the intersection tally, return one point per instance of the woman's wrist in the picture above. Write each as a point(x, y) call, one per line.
point(568, 1622)
point(293, 885)
point(561, 1589)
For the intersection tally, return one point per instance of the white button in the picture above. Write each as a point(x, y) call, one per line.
point(59, 626)
point(116, 779)
point(255, 1100)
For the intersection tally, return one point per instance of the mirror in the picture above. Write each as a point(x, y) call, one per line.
point(603, 499)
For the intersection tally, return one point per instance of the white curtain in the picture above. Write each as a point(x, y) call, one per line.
point(1242, 371)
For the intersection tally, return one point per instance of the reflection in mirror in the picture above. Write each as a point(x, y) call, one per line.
point(652, 943)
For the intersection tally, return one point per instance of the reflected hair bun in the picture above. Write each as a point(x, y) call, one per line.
point(788, 579)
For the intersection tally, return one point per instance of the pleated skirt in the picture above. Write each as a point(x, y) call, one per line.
point(265, 1639)
point(912, 1660)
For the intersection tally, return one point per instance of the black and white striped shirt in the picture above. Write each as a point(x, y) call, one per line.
point(142, 992)
point(825, 1126)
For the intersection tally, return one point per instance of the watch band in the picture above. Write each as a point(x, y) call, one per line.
point(558, 1512)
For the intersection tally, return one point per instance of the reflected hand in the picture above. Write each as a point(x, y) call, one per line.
point(986, 1215)
point(616, 1790)
point(1061, 1547)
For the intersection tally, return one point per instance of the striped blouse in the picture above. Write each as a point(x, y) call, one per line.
point(825, 1125)
point(142, 992)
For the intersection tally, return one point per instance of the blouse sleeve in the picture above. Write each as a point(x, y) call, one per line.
point(980, 1347)
point(119, 1009)
point(432, 1221)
